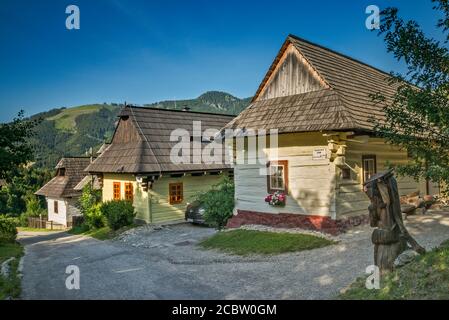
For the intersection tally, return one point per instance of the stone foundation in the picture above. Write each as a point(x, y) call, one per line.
point(289, 220)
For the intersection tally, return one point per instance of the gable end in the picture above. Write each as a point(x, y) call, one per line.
point(290, 74)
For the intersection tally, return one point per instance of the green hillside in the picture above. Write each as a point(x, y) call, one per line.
point(73, 131)
point(66, 120)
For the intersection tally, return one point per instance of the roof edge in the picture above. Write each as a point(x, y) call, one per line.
point(336, 52)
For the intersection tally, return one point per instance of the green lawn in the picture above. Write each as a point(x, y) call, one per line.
point(104, 233)
point(245, 242)
point(427, 277)
point(10, 287)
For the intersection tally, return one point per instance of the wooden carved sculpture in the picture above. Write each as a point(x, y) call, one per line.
point(390, 238)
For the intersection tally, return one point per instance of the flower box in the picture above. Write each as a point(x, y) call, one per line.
point(276, 199)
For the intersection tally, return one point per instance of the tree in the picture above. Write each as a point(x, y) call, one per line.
point(23, 183)
point(417, 117)
point(15, 148)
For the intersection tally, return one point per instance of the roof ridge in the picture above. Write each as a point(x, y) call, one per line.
point(181, 111)
point(338, 53)
point(76, 157)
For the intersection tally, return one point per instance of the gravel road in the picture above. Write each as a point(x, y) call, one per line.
point(146, 263)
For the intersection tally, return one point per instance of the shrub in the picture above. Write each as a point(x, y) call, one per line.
point(89, 198)
point(218, 203)
point(94, 218)
point(33, 209)
point(118, 213)
point(8, 229)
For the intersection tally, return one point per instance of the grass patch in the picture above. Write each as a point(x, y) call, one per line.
point(427, 277)
point(10, 287)
point(35, 229)
point(245, 242)
point(104, 233)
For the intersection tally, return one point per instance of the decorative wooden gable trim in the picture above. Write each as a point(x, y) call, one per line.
point(286, 51)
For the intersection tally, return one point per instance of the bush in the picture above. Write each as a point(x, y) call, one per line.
point(218, 203)
point(8, 229)
point(94, 218)
point(118, 213)
point(89, 198)
point(33, 209)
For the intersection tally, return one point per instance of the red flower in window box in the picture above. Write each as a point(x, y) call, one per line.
point(276, 199)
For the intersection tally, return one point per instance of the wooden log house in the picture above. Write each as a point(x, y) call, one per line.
point(136, 165)
point(319, 100)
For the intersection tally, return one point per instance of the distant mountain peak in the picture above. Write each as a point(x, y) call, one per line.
point(217, 95)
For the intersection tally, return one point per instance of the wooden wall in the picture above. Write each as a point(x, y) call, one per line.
point(141, 201)
point(315, 186)
point(153, 206)
point(291, 76)
point(311, 182)
point(162, 210)
point(351, 200)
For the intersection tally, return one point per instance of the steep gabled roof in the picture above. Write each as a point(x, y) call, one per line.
point(141, 143)
point(347, 82)
point(312, 111)
point(64, 186)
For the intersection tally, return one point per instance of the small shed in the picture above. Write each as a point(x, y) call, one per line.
point(61, 192)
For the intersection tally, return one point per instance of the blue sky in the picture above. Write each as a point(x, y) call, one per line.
point(146, 51)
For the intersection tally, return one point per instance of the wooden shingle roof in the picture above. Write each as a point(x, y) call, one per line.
point(63, 186)
point(141, 142)
point(344, 103)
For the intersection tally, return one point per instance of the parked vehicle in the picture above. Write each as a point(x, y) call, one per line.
point(194, 213)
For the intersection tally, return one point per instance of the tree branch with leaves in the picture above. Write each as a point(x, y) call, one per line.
point(417, 117)
point(15, 147)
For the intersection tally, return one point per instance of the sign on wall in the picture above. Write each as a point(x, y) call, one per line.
point(319, 154)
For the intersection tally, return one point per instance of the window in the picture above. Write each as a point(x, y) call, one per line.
point(277, 178)
point(175, 193)
point(116, 191)
point(61, 172)
point(55, 207)
point(129, 192)
point(369, 167)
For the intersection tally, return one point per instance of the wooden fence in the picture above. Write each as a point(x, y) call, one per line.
point(38, 223)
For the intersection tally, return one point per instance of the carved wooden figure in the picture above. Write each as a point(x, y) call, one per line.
point(390, 238)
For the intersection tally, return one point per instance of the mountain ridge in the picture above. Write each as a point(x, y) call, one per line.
point(76, 130)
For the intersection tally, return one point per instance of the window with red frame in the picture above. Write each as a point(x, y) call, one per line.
point(277, 178)
point(175, 193)
point(129, 192)
point(116, 190)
